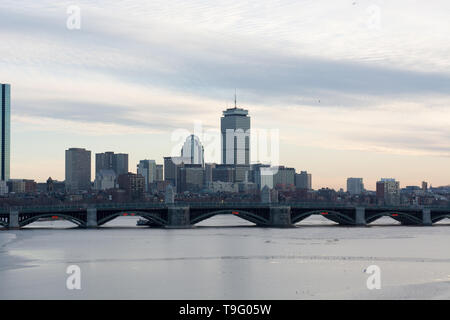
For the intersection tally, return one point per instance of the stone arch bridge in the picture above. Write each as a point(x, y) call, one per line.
point(185, 215)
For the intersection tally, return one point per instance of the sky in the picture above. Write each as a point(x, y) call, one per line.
point(352, 88)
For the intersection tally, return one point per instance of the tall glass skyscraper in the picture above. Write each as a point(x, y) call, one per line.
point(193, 150)
point(147, 169)
point(5, 99)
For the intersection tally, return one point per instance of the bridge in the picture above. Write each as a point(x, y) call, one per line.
point(186, 215)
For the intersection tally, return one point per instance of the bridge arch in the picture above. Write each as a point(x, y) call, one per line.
point(149, 216)
point(396, 215)
point(440, 217)
point(76, 221)
point(328, 214)
point(243, 214)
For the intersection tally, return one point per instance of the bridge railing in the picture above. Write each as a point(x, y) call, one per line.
point(150, 205)
point(230, 205)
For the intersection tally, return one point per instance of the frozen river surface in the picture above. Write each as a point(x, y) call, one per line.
point(226, 258)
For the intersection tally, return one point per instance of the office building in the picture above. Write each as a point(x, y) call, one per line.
point(170, 168)
point(242, 172)
point(105, 180)
point(193, 150)
point(78, 169)
point(118, 162)
point(190, 177)
point(262, 175)
point(132, 184)
point(147, 169)
point(5, 129)
point(224, 173)
point(303, 180)
point(388, 191)
point(22, 186)
point(16, 186)
point(284, 177)
point(235, 139)
point(159, 173)
point(208, 172)
point(355, 186)
point(3, 188)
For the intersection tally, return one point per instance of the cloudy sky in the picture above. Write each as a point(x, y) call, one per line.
point(356, 88)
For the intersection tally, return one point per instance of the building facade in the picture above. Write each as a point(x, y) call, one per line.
point(190, 177)
point(224, 173)
point(235, 136)
point(193, 149)
point(355, 186)
point(303, 180)
point(5, 129)
point(170, 168)
point(284, 178)
point(3, 188)
point(78, 169)
point(118, 162)
point(105, 180)
point(262, 175)
point(159, 173)
point(147, 169)
point(208, 172)
point(132, 184)
point(388, 191)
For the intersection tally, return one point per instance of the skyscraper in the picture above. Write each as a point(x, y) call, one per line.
point(78, 169)
point(193, 149)
point(159, 172)
point(355, 186)
point(170, 168)
point(5, 100)
point(235, 130)
point(147, 169)
point(118, 162)
point(303, 180)
point(284, 177)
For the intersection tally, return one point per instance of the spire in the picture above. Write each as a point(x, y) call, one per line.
point(235, 99)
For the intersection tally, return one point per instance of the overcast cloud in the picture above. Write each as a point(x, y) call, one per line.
point(364, 76)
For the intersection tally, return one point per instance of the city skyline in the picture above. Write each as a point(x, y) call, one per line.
point(94, 164)
point(107, 160)
point(370, 109)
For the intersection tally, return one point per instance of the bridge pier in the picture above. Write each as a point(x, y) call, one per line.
point(179, 218)
point(360, 216)
point(280, 217)
point(426, 217)
point(14, 220)
point(91, 218)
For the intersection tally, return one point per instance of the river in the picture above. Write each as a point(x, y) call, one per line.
point(226, 258)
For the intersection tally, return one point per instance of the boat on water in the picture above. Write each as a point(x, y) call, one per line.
point(142, 222)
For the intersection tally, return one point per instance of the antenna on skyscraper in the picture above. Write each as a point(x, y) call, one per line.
point(235, 99)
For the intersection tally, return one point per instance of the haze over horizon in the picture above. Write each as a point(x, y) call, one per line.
point(355, 88)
